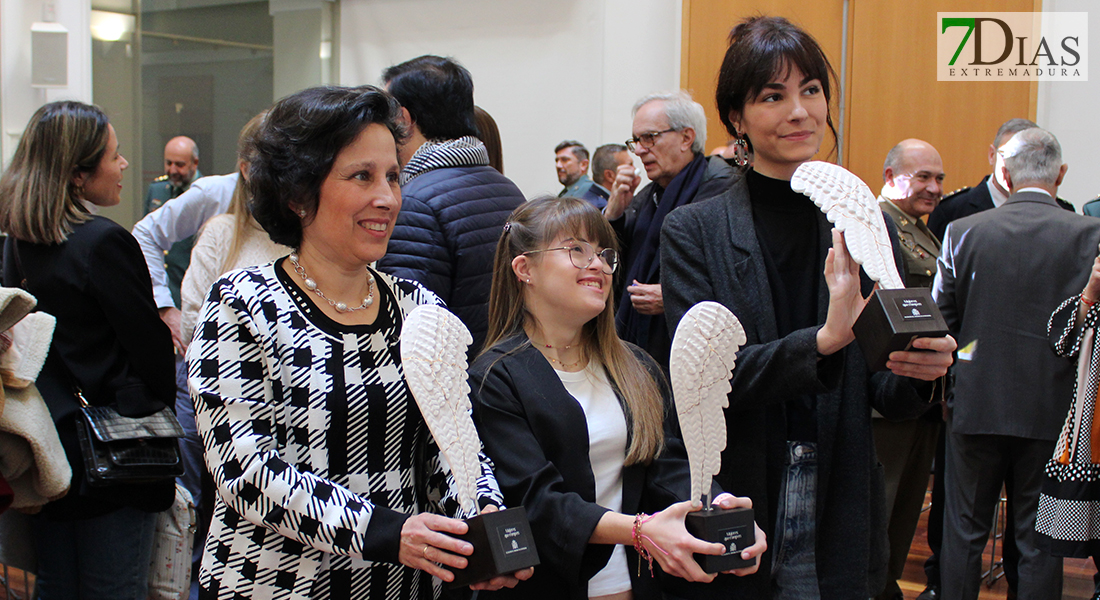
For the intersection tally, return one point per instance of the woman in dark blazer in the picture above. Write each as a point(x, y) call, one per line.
point(88, 272)
point(799, 419)
point(576, 421)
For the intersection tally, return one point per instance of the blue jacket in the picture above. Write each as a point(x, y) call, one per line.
point(446, 235)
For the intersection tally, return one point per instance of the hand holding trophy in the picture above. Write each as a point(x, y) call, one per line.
point(433, 355)
point(895, 315)
point(701, 364)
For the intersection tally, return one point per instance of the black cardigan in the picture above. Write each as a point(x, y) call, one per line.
point(108, 337)
point(537, 436)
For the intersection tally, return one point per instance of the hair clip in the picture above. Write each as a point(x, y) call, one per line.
point(507, 226)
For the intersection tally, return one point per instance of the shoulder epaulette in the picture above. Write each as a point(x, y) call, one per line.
point(965, 188)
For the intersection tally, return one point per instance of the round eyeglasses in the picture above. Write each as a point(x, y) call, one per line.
point(581, 254)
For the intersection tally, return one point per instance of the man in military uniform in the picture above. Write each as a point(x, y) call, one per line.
point(913, 176)
point(181, 167)
point(571, 163)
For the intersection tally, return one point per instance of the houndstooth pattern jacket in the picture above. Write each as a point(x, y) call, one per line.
point(316, 447)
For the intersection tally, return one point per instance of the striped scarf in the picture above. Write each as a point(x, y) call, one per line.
point(466, 151)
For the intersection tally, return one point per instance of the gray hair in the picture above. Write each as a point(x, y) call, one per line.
point(1033, 156)
point(682, 112)
point(1010, 128)
point(893, 159)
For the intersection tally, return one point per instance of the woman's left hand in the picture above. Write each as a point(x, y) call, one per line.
point(928, 361)
point(426, 545)
point(508, 580)
point(727, 501)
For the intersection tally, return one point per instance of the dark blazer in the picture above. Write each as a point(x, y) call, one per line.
point(963, 203)
point(709, 251)
point(446, 234)
point(966, 202)
point(1002, 273)
point(108, 336)
point(537, 436)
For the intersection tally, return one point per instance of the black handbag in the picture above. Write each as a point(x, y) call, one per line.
point(119, 449)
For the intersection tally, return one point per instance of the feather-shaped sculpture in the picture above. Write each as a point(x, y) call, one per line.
point(701, 365)
point(433, 355)
point(849, 204)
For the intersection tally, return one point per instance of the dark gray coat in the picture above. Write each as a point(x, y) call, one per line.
point(1002, 273)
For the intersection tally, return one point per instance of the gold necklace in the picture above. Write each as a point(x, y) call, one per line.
point(565, 366)
point(340, 307)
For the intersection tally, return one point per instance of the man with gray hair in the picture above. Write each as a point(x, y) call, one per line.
point(1011, 392)
point(669, 134)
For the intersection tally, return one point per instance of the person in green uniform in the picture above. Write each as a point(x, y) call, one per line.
point(913, 185)
point(181, 167)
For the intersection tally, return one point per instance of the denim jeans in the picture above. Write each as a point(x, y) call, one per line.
point(794, 563)
point(101, 558)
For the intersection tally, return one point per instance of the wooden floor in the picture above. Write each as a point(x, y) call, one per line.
point(1076, 579)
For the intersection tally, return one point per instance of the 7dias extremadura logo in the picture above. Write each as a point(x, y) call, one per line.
point(1012, 46)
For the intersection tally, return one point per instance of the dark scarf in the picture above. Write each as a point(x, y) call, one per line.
point(643, 259)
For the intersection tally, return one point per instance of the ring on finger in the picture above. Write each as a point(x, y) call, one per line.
point(424, 552)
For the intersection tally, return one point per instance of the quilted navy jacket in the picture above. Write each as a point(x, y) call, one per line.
point(446, 235)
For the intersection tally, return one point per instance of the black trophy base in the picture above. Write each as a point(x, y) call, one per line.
point(891, 321)
point(502, 543)
point(732, 528)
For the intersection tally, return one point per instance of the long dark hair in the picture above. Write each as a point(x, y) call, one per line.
point(760, 50)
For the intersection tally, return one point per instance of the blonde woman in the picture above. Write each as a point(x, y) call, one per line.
point(88, 272)
point(577, 421)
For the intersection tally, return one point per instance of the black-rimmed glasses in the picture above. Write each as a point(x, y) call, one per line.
point(581, 255)
point(646, 140)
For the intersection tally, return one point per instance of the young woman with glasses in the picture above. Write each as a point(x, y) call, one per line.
point(577, 422)
point(799, 418)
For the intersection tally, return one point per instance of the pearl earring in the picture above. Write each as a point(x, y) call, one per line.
point(302, 212)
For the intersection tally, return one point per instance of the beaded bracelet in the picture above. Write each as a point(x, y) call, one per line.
point(637, 535)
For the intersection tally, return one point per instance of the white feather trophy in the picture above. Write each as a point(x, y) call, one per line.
point(433, 354)
point(701, 365)
point(849, 204)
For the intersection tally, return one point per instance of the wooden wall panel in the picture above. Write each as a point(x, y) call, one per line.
point(893, 93)
point(706, 27)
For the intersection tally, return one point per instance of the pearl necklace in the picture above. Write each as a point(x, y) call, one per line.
point(311, 285)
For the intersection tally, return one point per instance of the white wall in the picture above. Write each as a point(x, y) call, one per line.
point(1068, 110)
point(545, 71)
point(18, 100)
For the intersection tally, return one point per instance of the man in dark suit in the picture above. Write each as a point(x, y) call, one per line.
point(1001, 274)
point(991, 192)
point(984, 196)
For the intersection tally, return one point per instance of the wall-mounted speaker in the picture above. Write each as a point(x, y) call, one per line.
point(49, 55)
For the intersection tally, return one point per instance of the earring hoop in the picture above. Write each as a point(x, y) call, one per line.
point(741, 151)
